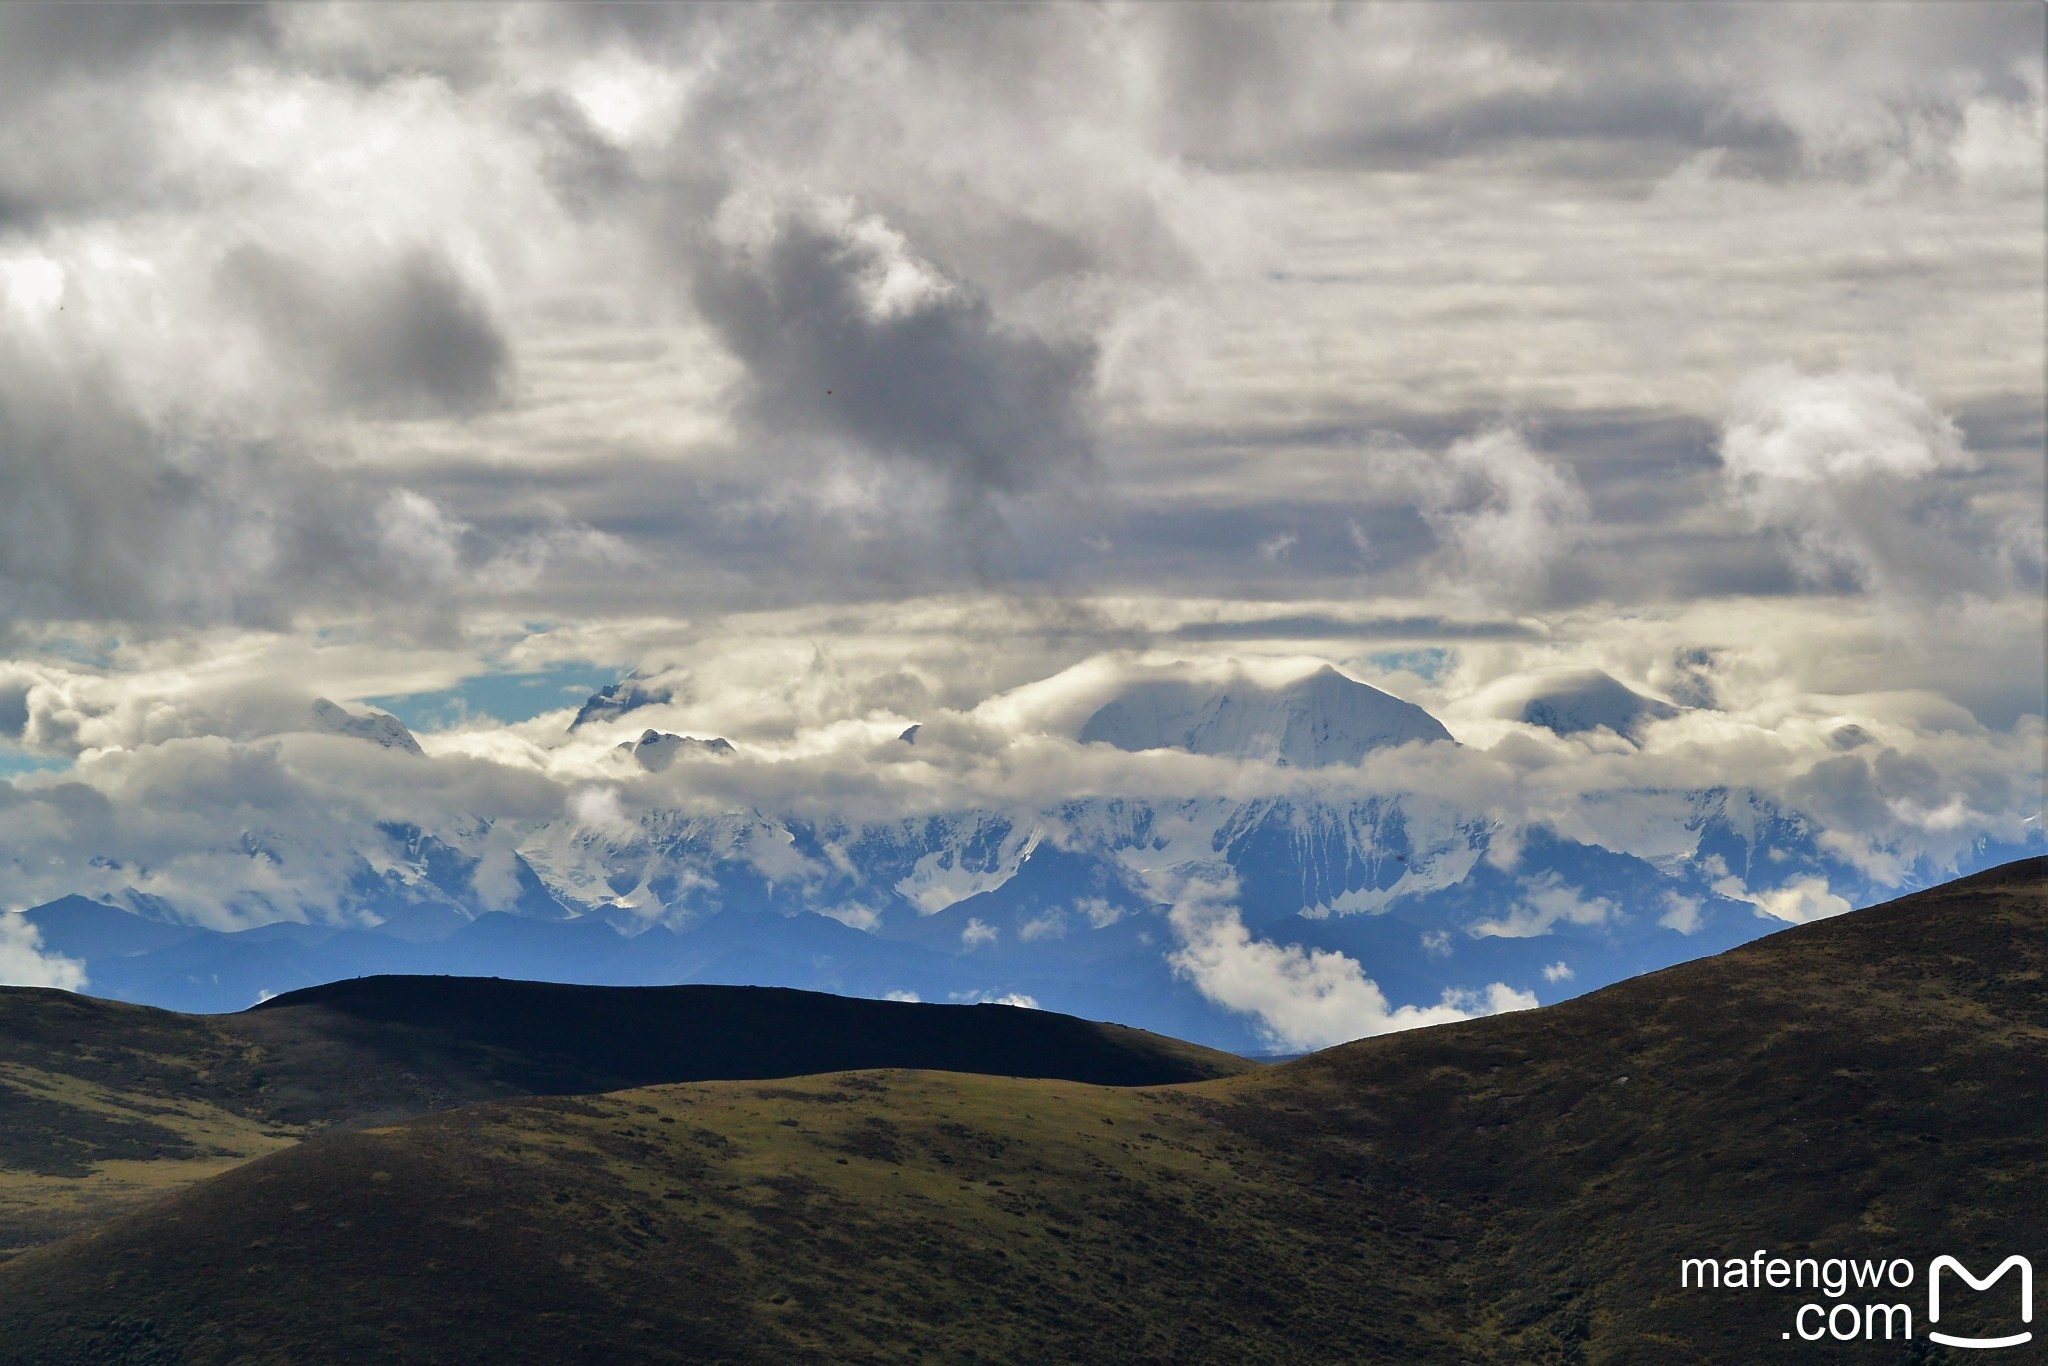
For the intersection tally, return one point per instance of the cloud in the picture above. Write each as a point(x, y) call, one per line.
point(24, 964)
point(50, 44)
point(1850, 468)
point(235, 834)
point(115, 515)
point(1053, 924)
point(1502, 514)
point(523, 268)
point(1302, 998)
point(14, 713)
point(1681, 913)
point(1558, 972)
point(848, 333)
point(1919, 787)
point(1545, 902)
point(991, 997)
point(975, 934)
point(1799, 901)
point(1275, 549)
point(405, 339)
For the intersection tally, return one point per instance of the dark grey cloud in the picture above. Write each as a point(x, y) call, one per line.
point(402, 339)
point(847, 333)
point(77, 142)
point(110, 514)
point(588, 172)
point(990, 165)
point(46, 42)
point(2014, 429)
point(13, 710)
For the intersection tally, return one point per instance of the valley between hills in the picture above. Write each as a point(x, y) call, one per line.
point(453, 1170)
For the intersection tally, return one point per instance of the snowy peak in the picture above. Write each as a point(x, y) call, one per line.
point(1312, 722)
point(378, 728)
point(656, 750)
point(1588, 700)
point(614, 700)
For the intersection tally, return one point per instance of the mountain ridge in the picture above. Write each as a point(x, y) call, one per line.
point(1503, 1191)
point(103, 1103)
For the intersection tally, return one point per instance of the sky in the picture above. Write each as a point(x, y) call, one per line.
point(838, 367)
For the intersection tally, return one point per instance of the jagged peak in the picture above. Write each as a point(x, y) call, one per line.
point(614, 700)
point(656, 750)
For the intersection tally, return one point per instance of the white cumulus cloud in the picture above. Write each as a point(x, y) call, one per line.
point(1302, 998)
point(1848, 468)
point(1546, 900)
point(23, 963)
point(1503, 514)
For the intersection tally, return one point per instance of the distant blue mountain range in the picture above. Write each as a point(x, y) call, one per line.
point(1071, 909)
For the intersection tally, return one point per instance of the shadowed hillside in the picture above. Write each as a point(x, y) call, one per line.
point(103, 1103)
point(1512, 1190)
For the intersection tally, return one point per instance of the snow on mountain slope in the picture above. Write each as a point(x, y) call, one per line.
point(964, 863)
point(656, 750)
point(1586, 700)
point(1083, 906)
point(1321, 719)
point(377, 727)
point(1171, 911)
point(614, 700)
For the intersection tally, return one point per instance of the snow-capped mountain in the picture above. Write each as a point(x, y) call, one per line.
point(1324, 718)
point(1193, 915)
point(1587, 699)
point(377, 727)
point(614, 700)
point(656, 750)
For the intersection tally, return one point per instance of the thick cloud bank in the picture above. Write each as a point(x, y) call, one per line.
point(848, 333)
point(777, 303)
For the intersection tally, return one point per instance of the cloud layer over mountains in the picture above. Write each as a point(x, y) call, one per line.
point(842, 368)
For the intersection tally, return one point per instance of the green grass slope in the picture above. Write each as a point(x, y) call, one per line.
point(1512, 1190)
point(104, 1104)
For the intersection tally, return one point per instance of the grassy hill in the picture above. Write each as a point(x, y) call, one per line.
point(104, 1104)
point(1512, 1190)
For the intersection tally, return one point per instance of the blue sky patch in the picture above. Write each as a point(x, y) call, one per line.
point(507, 698)
point(15, 762)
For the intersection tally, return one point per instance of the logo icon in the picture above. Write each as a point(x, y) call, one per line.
point(2026, 1270)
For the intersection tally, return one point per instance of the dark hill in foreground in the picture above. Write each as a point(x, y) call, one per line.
point(1512, 1190)
point(546, 1038)
point(103, 1103)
